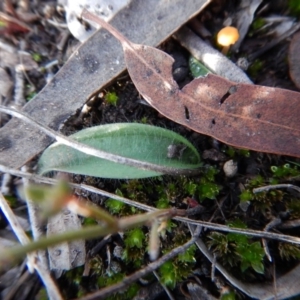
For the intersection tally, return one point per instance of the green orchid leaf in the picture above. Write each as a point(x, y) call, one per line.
point(197, 68)
point(141, 142)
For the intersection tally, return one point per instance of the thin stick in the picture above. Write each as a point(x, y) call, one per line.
point(102, 294)
point(42, 179)
point(95, 152)
point(213, 226)
point(9, 256)
point(249, 232)
point(37, 231)
point(33, 262)
point(164, 286)
point(275, 187)
point(121, 38)
point(270, 225)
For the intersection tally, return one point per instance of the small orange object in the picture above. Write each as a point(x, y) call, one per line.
point(227, 37)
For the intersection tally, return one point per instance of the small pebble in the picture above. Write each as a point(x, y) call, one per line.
point(230, 168)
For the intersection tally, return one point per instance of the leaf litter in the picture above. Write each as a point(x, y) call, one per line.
point(240, 115)
point(283, 128)
point(259, 156)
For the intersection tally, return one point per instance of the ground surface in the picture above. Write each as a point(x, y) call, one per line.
point(225, 200)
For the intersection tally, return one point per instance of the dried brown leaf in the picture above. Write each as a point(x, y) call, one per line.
point(294, 59)
point(247, 116)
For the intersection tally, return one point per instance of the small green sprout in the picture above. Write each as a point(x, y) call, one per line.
point(37, 57)
point(168, 274)
point(190, 188)
point(246, 195)
point(111, 98)
point(162, 203)
point(251, 255)
point(135, 238)
point(144, 120)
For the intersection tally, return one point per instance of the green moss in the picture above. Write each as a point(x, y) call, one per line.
point(134, 256)
point(229, 295)
point(127, 294)
point(30, 95)
point(190, 187)
point(262, 201)
point(37, 57)
point(293, 206)
point(134, 238)
point(115, 206)
point(294, 6)
point(42, 294)
point(257, 181)
point(255, 68)
point(223, 249)
point(210, 173)
point(168, 274)
point(285, 171)
point(251, 255)
point(233, 152)
point(178, 269)
point(144, 120)
point(257, 24)
point(207, 189)
point(11, 200)
point(111, 98)
point(96, 266)
point(188, 256)
point(246, 195)
point(162, 203)
point(289, 251)
point(236, 249)
point(89, 221)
